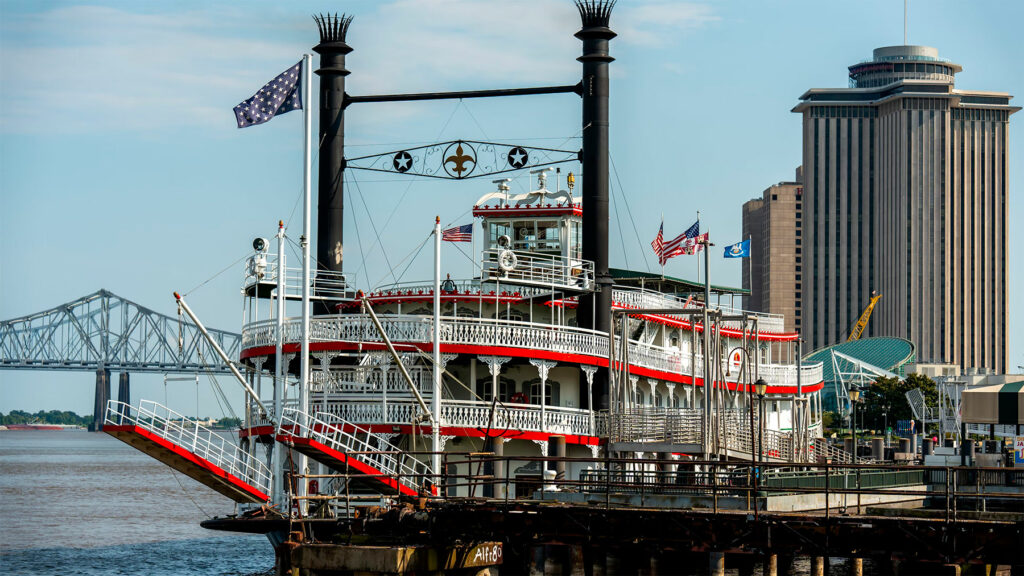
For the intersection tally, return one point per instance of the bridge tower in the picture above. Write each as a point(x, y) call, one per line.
point(124, 395)
point(101, 398)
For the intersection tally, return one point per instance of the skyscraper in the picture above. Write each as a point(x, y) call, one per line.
point(773, 274)
point(905, 193)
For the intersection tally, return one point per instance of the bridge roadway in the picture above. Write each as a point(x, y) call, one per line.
point(102, 332)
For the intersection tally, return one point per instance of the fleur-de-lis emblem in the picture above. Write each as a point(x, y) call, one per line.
point(459, 159)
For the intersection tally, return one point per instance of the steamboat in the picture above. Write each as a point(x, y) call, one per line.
point(546, 351)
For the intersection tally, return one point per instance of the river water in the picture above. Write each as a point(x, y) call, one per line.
point(80, 503)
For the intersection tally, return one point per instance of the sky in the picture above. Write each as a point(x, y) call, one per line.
point(121, 166)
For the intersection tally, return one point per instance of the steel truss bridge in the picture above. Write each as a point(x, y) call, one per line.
point(103, 332)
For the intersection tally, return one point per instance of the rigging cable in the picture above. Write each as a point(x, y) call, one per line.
point(629, 210)
point(376, 232)
point(207, 281)
point(618, 222)
point(410, 256)
point(405, 192)
point(359, 239)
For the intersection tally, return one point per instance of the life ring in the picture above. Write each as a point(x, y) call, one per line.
point(520, 398)
point(507, 260)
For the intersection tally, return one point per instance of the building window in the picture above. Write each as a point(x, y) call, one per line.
point(798, 215)
point(798, 259)
point(797, 277)
point(798, 287)
point(798, 269)
point(797, 232)
point(775, 197)
point(798, 206)
point(797, 241)
point(797, 314)
point(798, 250)
point(797, 294)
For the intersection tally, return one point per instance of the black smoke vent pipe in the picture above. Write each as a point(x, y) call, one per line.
point(330, 195)
point(594, 311)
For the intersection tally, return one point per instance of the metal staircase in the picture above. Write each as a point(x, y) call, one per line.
point(190, 448)
point(376, 463)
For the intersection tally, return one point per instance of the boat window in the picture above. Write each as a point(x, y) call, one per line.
point(497, 230)
point(548, 235)
point(506, 388)
point(575, 240)
point(551, 392)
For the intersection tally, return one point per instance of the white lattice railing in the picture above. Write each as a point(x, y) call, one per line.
point(466, 414)
point(675, 425)
point(372, 449)
point(190, 435)
point(504, 333)
point(538, 269)
point(371, 380)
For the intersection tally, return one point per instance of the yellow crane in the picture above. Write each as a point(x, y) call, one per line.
point(862, 322)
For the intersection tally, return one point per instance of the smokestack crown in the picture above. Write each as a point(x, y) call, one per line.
point(332, 28)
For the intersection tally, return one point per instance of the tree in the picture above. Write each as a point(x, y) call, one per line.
point(885, 400)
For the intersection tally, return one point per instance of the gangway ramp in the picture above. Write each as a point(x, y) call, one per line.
point(190, 448)
point(376, 463)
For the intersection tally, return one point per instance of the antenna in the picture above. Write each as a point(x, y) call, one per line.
point(905, 14)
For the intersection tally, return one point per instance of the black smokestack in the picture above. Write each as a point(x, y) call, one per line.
point(594, 311)
point(330, 197)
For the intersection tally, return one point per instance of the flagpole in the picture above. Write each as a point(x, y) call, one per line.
point(435, 403)
point(307, 179)
point(661, 258)
point(698, 259)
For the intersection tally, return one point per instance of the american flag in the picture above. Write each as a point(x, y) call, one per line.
point(280, 95)
point(659, 243)
point(681, 244)
point(462, 233)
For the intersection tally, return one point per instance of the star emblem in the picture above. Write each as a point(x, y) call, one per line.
point(518, 157)
point(402, 161)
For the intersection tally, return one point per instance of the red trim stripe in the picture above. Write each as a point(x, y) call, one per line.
point(206, 465)
point(516, 353)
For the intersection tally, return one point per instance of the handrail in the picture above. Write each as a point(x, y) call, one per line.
point(372, 449)
point(506, 333)
point(189, 434)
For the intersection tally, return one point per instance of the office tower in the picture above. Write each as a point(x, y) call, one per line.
point(905, 193)
point(773, 273)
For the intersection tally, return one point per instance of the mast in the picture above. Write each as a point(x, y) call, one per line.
point(435, 401)
point(307, 179)
point(277, 492)
point(594, 309)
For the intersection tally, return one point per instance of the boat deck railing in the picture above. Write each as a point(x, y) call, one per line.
point(944, 493)
point(372, 449)
point(189, 434)
point(527, 336)
point(537, 269)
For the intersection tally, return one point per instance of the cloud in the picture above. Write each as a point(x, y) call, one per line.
point(89, 69)
point(656, 23)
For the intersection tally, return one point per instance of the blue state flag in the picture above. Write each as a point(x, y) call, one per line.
point(738, 250)
point(280, 95)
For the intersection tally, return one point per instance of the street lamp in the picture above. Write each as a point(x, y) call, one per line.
point(760, 387)
point(854, 397)
point(885, 423)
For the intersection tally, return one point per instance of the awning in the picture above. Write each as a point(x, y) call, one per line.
point(998, 404)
